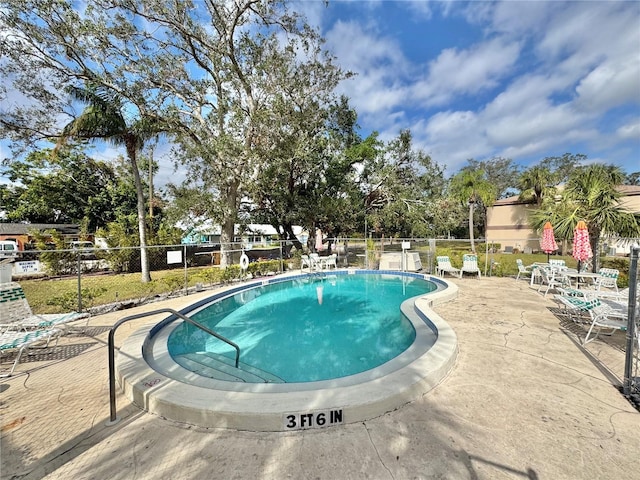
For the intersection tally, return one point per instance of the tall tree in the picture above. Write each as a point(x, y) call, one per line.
point(502, 172)
point(474, 190)
point(536, 183)
point(593, 190)
point(397, 186)
point(307, 176)
point(563, 167)
point(68, 187)
point(104, 119)
point(219, 64)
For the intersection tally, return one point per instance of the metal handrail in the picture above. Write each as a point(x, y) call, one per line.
point(112, 370)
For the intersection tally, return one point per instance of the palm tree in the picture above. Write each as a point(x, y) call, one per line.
point(104, 119)
point(560, 212)
point(593, 190)
point(472, 188)
point(591, 195)
point(536, 183)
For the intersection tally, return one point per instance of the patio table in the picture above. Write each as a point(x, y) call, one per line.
point(581, 276)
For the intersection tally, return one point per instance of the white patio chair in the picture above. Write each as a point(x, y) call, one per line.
point(552, 279)
point(305, 261)
point(607, 317)
point(444, 266)
point(600, 315)
point(557, 264)
point(470, 265)
point(330, 261)
point(523, 270)
point(316, 263)
point(16, 314)
point(20, 341)
point(608, 279)
point(575, 304)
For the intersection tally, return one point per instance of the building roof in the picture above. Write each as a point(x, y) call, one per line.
point(25, 228)
point(207, 227)
point(629, 190)
point(515, 200)
point(625, 190)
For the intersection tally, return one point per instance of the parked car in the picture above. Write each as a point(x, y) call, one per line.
point(83, 246)
point(8, 249)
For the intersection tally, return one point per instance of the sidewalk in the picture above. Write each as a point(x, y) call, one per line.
point(524, 400)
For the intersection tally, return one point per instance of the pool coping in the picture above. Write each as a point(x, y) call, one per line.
point(263, 408)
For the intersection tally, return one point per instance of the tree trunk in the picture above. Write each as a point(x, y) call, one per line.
point(289, 235)
point(151, 182)
point(311, 238)
point(229, 223)
point(142, 227)
point(473, 245)
point(595, 248)
point(226, 242)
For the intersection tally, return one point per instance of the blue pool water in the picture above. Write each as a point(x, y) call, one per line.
point(309, 328)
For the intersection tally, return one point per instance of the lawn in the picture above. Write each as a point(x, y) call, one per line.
point(61, 294)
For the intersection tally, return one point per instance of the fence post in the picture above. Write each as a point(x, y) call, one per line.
point(186, 280)
point(486, 257)
point(631, 320)
point(79, 283)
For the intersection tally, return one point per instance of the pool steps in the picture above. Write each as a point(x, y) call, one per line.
point(220, 367)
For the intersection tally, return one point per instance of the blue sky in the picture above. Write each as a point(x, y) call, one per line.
point(517, 79)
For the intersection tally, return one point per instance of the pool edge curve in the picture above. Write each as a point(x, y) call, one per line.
point(265, 411)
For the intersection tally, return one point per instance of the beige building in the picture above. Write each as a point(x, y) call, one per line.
point(508, 223)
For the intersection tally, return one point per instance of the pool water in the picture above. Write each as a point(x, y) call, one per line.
point(310, 328)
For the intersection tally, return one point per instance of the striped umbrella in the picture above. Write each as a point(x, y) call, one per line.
point(581, 246)
point(548, 243)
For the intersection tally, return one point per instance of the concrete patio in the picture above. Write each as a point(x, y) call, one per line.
point(524, 400)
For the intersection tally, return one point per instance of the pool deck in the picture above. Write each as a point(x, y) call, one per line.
point(524, 400)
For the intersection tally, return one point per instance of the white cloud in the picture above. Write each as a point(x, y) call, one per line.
point(590, 30)
point(362, 51)
point(452, 137)
point(420, 10)
point(514, 19)
point(455, 72)
point(629, 131)
point(381, 70)
point(387, 83)
point(313, 11)
point(610, 84)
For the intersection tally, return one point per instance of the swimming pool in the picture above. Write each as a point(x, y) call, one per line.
point(154, 381)
point(304, 330)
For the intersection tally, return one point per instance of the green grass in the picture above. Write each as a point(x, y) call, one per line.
point(60, 295)
point(54, 296)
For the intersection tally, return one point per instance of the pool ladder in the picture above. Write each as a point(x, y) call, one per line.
point(112, 362)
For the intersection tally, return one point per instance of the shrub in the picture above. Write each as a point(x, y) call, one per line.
point(208, 275)
point(262, 268)
point(68, 301)
point(174, 281)
point(232, 272)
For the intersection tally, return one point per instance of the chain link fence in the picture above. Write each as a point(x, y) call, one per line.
point(631, 385)
point(88, 278)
